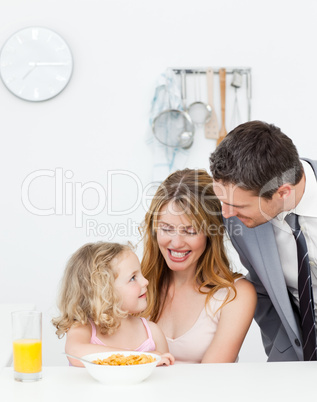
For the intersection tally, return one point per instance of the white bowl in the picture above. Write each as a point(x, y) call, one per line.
point(120, 375)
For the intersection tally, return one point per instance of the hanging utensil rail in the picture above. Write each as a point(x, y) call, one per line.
point(202, 70)
point(231, 70)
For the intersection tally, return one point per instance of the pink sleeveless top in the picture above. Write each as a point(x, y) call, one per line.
point(147, 346)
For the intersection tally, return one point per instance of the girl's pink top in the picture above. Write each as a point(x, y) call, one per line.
point(147, 346)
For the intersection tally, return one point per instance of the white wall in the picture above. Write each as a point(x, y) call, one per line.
point(99, 123)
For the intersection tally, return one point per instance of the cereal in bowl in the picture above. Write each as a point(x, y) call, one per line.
point(121, 360)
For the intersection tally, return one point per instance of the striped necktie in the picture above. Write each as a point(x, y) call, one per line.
point(305, 293)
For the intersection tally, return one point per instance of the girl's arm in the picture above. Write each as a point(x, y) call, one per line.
point(78, 343)
point(235, 320)
point(161, 345)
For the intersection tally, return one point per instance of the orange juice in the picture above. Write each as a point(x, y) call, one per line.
point(27, 355)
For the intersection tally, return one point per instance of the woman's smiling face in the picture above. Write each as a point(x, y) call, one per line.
point(178, 240)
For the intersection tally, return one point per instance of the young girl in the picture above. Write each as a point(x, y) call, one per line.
point(101, 292)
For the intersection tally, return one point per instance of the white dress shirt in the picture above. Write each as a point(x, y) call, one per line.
point(307, 212)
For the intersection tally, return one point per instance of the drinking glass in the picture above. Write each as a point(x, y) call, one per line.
point(27, 345)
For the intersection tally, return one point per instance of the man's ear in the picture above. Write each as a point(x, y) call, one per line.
point(285, 191)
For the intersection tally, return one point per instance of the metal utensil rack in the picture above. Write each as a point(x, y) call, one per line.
point(229, 70)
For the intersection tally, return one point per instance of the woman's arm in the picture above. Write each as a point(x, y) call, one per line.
point(235, 320)
point(161, 345)
point(78, 343)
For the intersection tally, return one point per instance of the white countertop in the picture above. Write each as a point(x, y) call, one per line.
point(182, 382)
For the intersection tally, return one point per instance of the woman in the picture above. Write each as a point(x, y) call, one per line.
point(203, 308)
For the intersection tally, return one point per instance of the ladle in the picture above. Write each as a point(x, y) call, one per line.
point(211, 127)
point(199, 111)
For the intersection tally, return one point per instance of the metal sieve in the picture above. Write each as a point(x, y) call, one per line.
point(174, 127)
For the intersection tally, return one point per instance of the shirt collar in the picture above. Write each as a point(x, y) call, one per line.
point(308, 202)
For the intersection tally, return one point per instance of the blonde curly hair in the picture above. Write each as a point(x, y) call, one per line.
point(87, 289)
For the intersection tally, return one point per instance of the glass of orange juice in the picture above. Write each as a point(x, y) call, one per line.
point(27, 345)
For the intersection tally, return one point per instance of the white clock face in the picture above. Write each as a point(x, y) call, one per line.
point(35, 64)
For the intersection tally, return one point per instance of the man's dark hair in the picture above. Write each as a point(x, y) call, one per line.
point(258, 157)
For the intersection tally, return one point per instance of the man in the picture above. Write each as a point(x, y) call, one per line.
point(262, 183)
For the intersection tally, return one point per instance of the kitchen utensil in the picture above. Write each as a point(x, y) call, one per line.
point(211, 127)
point(119, 375)
point(174, 127)
point(236, 83)
point(222, 79)
point(81, 359)
point(249, 94)
point(199, 111)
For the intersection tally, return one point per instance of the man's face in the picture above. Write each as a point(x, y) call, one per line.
point(252, 210)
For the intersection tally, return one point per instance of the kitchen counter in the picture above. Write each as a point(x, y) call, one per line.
point(182, 382)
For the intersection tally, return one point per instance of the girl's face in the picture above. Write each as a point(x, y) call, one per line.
point(180, 244)
point(130, 283)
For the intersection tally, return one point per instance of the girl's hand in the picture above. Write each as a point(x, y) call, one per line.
point(161, 345)
point(166, 359)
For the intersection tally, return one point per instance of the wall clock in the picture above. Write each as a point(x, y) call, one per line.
point(36, 64)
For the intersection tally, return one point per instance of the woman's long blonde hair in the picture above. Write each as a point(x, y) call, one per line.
point(192, 191)
point(87, 289)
